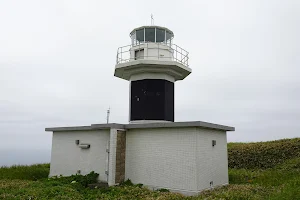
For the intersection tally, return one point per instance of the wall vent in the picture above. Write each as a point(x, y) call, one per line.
point(214, 143)
point(85, 146)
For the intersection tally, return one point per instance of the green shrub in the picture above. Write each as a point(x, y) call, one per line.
point(126, 183)
point(236, 192)
point(83, 180)
point(163, 190)
point(262, 155)
point(87, 179)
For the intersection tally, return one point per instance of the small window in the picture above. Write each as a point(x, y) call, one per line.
point(139, 54)
point(160, 35)
point(140, 35)
point(150, 35)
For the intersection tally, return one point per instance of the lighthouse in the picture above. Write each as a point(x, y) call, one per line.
point(152, 64)
point(186, 157)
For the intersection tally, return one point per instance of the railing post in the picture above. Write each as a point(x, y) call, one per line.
point(130, 51)
point(176, 53)
point(117, 56)
point(181, 54)
point(139, 57)
point(121, 54)
point(187, 59)
point(158, 51)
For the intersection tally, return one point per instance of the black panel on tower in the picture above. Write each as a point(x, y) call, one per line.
point(152, 99)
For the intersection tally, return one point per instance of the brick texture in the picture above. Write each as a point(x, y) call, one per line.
point(120, 156)
point(179, 159)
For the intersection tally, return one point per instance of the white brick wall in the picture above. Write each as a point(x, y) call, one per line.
point(67, 157)
point(162, 157)
point(180, 159)
point(211, 161)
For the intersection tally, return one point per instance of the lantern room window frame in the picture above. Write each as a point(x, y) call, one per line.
point(138, 38)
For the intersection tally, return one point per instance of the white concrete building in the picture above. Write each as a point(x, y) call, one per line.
point(152, 149)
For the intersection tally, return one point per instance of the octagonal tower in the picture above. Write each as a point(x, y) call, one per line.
point(152, 64)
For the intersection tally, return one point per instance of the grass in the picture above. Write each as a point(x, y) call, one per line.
point(33, 172)
point(277, 178)
point(262, 155)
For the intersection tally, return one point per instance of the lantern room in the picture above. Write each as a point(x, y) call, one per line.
point(156, 34)
point(152, 49)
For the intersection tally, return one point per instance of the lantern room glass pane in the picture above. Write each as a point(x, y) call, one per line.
point(168, 37)
point(133, 38)
point(160, 35)
point(140, 35)
point(150, 35)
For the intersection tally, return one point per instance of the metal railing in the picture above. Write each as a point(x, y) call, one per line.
point(145, 51)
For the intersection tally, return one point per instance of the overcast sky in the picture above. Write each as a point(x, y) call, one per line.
point(57, 62)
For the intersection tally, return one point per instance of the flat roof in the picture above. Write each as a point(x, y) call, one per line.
point(199, 124)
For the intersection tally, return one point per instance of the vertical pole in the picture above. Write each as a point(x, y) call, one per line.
point(117, 60)
point(107, 161)
point(121, 53)
point(152, 20)
point(139, 54)
point(155, 35)
point(107, 116)
point(158, 50)
point(181, 55)
point(176, 53)
point(135, 38)
point(144, 35)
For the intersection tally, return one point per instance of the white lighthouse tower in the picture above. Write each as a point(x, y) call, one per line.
point(152, 64)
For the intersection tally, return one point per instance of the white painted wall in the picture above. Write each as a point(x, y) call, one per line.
point(152, 51)
point(179, 159)
point(112, 157)
point(67, 157)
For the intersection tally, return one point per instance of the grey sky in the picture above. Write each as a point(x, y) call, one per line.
point(57, 61)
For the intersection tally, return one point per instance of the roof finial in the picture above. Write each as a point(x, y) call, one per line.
point(152, 20)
